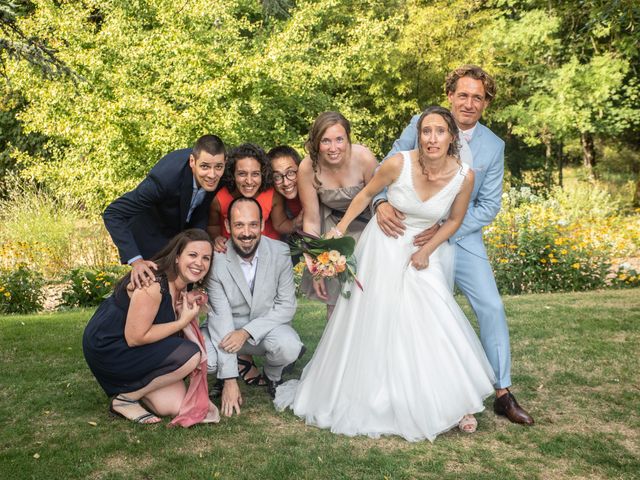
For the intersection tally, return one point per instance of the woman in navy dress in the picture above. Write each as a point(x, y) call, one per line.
point(134, 344)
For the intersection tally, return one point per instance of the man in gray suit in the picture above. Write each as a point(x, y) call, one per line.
point(252, 295)
point(469, 91)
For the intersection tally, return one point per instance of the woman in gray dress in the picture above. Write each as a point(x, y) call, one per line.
point(329, 177)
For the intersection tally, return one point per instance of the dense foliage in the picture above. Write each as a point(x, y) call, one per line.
point(21, 290)
point(151, 76)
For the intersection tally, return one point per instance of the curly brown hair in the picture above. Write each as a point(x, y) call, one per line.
point(475, 72)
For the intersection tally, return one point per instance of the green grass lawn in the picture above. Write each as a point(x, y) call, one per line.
point(576, 364)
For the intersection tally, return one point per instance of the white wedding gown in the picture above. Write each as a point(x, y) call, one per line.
point(400, 357)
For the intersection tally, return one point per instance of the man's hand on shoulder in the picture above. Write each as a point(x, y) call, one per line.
point(231, 397)
point(390, 220)
point(233, 341)
point(141, 273)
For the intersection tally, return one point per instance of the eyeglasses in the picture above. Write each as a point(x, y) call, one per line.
point(278, 178)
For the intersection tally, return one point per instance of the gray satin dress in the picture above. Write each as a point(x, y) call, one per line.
point(333, 203)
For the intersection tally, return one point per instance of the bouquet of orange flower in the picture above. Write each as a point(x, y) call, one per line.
point(327, 258)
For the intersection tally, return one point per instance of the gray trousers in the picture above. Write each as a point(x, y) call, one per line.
point(280, 347)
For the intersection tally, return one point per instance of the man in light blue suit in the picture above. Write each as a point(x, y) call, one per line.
point(469, 91)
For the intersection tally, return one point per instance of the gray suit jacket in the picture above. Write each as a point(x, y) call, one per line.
point(233, 306)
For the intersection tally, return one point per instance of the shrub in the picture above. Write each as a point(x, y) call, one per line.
point(50, 234)
point(21, 290)
point(566, 242)
point(88, 288)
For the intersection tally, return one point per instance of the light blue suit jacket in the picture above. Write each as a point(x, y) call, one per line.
point(488, 165)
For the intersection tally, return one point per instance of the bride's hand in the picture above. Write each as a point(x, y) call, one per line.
point(420, 259)
point(333, 233)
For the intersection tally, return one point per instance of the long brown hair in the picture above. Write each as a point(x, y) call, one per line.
point(165, 259)
point(312, 145)
point(454, 146)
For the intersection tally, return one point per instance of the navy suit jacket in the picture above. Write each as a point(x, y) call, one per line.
point(142, 221)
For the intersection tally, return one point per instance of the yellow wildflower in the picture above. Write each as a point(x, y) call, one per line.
point(575, 265)
point(543, 260)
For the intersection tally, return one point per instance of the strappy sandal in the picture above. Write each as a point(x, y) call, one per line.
point(257, 381)
point(468, 424)
point(145, 418)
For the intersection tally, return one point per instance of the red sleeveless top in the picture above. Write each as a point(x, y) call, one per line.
point(265, 199)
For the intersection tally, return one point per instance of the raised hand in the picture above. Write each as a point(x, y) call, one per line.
point(142, 274)
point(186, 309)
point(220, 244)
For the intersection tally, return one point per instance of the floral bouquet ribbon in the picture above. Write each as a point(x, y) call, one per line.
point(327, 258)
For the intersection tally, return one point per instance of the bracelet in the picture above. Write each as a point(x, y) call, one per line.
point(378, 203)
point(338, 233)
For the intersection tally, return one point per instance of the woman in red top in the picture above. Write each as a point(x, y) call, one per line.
point(248, 173)
point(284, 168)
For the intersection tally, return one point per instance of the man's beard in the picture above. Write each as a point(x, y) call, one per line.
point(242, 253)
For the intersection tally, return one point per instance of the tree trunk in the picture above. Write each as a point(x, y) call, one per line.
point(635, 168)
point(548, 163)
point(588, 153)
point(560, 161)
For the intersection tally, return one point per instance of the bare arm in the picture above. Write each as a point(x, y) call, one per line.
point(420, 259)
point(308, 198)
point(281, 223)
point(215, 219)
point(384, 176)
point(139, 328)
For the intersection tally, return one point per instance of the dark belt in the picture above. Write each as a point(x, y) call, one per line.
point(339, 214)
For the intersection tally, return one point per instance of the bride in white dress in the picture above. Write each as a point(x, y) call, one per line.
point(400, 357)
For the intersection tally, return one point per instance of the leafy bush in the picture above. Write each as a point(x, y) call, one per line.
point(21, 290)
point(566, 242)
point(88, 288)
point(50, 235)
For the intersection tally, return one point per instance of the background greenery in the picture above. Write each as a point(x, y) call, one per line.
point(574, 367)
point(148, 77)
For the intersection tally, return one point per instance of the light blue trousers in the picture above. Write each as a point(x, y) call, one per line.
point(475, 279)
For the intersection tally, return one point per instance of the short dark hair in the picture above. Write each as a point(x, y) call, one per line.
point(243, 199)
point(454, 149)
point(284, 151)
point(247, 150)
point(475, 72)
point(212, 144)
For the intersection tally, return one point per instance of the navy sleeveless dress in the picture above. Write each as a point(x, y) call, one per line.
point(120, 368)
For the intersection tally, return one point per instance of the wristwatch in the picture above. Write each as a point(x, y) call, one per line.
point(377, 203)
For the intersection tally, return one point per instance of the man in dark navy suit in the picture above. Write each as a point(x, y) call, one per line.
point(174, 196)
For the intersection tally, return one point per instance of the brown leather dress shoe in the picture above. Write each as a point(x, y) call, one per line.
point(507, 405)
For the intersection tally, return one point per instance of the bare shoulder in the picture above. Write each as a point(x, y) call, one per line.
point(394, 163)
point(151, 293)
point(363, 154)
point(469, 178)
point(306, 166)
